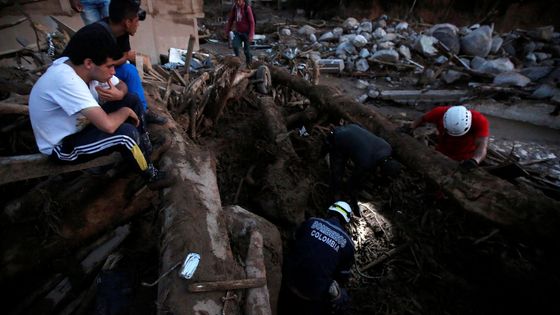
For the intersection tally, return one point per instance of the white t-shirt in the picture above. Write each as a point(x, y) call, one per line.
point(93, 84)
point(55, 103)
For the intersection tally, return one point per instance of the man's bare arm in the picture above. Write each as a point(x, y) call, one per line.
point(481, 144)
point(109, 122)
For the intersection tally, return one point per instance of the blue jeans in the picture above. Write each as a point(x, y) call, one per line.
point(128, 73)
point(236, 43)
point(94, 10)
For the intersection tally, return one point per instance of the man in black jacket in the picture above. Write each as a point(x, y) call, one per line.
point(319, 265)
point(368, 153)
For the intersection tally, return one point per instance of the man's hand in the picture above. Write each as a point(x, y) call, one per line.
point(131, 55)
point(342, 302)
point(76, 5)
point(469, 164)
point(132, 117)
point(110, 94)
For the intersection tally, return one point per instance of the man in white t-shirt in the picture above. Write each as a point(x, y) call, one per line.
point(69, 124)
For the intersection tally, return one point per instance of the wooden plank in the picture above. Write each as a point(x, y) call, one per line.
point(63, 27)
point(65, 6)
point(188, 58)
point(407, 96)
point(21, 167)
point(227, 285)
point(140, 66)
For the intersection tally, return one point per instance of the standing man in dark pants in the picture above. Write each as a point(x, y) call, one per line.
point(318, 267)
point(241, 15)
point(367, 151)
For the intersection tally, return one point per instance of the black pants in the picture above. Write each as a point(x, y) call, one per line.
point(91, 142)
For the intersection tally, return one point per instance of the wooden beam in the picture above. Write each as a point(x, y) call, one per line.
point(227, 285)
point(188, 58)
point(62, 26)
point(21, 167)
point(430, 96)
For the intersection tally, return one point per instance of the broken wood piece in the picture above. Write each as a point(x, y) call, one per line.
point(428, 96)
point(21, 167)
point(188, 58)
point(162, 72)
point(178, 77)
point(241, 224)
point(383, 257)
point(227, 285)
point(13, 108)
point(64, 27)
point(140, 65)
point(257, 301)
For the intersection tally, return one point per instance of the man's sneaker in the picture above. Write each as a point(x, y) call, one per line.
point(146, 144)
point(153, 118)
point(158, 179)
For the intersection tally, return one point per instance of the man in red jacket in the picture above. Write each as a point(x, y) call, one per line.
point(462, 134)
point(242, 16)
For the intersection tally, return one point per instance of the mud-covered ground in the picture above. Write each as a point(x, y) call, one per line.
point(441, 259)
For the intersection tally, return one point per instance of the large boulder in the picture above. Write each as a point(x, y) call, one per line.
point(511, 79)
point(387, 55)
point(425, 45)
point(350, 24)
point(359, 41)
point(447, 34)
point(497, 66)
point(477, 42)
point(307, 30)
point(536, 73)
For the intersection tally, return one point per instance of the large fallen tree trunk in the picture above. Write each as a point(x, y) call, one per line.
point(531, 213)
point(193, 221)
point(273, 198)
point(241, 224)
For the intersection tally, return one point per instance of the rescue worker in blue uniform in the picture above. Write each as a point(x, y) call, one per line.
point(318, 267)
point(368, 153)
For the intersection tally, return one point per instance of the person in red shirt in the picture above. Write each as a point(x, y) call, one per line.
point(462, 133)
point(241, 15)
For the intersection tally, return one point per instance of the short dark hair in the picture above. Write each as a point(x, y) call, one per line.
point(94, 43)
point(120, 10)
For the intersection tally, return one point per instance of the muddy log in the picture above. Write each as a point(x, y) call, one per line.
point(241, 224)
point(530, 213)
point(192, 221)
point(27, 248)
point(274, 200)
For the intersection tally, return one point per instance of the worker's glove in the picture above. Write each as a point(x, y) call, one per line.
point(406, 129)
point(341, 303)
point(469, 164)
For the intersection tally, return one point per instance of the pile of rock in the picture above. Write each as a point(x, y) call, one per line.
point(527, 59)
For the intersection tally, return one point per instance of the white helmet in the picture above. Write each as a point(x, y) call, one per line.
point(343, 209)
point(457, 120)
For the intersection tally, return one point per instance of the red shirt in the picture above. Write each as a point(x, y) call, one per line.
point(245, 23)
point(462, 147)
